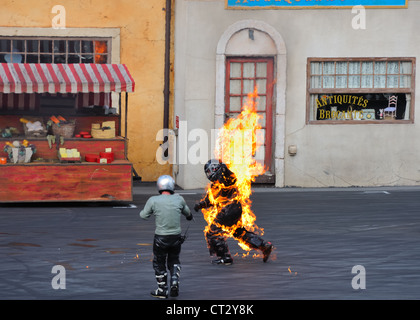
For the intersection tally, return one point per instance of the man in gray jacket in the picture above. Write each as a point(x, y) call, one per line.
point(167, 209)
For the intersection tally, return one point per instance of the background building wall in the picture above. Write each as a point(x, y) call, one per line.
point(142, 47)
point(327, 155)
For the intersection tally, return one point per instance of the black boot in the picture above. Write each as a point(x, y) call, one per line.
point(266, 250)
point(175, 274)
point(222, 251)
point(254, 241)
point(162, 290)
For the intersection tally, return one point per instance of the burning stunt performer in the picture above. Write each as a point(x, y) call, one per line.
point(229, 212)
point(167, 209)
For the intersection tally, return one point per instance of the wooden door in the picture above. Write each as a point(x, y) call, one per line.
point(242, 75)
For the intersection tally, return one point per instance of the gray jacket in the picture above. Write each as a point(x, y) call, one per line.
point(167, 210)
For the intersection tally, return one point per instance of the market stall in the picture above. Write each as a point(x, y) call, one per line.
point(61, 135)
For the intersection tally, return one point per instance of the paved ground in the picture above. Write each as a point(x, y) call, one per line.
point(319, 235)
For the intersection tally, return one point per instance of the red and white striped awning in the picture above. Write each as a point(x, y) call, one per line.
point(64, 78)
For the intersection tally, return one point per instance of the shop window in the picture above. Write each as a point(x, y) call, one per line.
point(54, 50)
point(353, 90)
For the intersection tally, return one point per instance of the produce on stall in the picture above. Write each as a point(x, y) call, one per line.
point(61, 170)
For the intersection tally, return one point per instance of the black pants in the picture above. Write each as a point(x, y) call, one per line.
point(216, 237)
point(166, 250)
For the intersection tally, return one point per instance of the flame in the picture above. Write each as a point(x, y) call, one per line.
point(236, 146)
point(254, 256)
point(101, 47)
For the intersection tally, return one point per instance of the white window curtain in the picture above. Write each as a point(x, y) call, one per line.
point(380, 71)
point(365, 74)
point(405, 74)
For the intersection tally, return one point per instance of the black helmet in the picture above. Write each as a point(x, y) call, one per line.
point(214, 169)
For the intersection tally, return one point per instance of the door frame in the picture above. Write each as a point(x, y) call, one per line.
point(278, 52)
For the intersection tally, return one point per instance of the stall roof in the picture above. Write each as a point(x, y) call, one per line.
point(64, 78)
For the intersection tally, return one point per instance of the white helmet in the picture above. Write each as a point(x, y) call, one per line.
point(165, 183)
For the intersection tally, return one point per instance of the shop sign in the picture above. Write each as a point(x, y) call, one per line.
point(313, 4)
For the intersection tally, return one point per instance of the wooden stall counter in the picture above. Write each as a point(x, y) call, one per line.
point(54, 181)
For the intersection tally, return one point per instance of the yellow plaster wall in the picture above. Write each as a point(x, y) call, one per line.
point(142, 27)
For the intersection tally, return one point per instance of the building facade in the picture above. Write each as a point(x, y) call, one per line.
point(337, 87)
point(131, 32)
